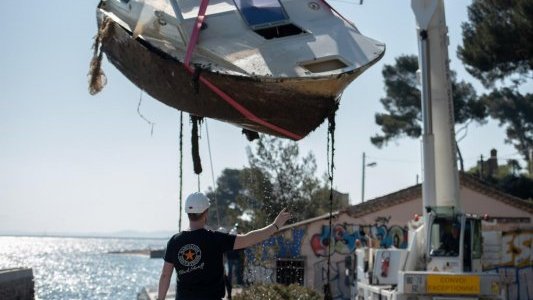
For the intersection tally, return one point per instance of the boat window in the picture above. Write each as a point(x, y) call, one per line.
point(324, 65)
point(267, 18)
point(262, 13)
point(279, 31)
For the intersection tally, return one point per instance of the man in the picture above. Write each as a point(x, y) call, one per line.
point(450, 240)
point(234, 260)
point(197, 253)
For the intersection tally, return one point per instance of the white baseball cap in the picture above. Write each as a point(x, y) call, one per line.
point(196, 203)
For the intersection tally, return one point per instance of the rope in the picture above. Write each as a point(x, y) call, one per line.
point(212, 174)
point(339, 14)
point(142, 116)
point(181, 169)
point(198, 182)
point(331, 168)
point(193, 40)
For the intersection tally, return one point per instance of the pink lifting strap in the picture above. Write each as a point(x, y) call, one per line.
point(245, 112)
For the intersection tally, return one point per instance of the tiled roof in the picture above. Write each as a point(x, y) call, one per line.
point(415, 191)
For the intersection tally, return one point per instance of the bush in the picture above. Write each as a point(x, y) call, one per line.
point(277, 292)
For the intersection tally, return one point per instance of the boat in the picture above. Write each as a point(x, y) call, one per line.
point(272, 66)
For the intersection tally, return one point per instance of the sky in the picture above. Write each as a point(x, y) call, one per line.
point(75, 163)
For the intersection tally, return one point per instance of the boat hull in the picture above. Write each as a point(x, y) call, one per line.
point(296, 106)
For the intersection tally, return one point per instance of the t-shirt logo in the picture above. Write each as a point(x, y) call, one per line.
point(189, 255)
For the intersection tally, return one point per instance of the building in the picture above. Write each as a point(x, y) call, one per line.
point(298, 254)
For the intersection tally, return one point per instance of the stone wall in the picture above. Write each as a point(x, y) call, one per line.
point(16, 284)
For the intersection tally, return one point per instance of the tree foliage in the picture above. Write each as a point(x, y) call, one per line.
point(403, 106)
point(515, 111)
point(498, 45)
point(498, 39)
point(278, 177)
point(225, 210)
point(507, 178)
point(278, 292)
point(288, 181)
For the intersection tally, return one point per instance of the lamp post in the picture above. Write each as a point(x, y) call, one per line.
point(371, 164)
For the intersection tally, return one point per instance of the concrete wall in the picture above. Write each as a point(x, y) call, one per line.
point(16, 284)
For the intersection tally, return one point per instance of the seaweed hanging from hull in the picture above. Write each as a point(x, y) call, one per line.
point(195, 150)
point(97, 78)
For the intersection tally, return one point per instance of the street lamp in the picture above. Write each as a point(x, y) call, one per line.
point(371, 164)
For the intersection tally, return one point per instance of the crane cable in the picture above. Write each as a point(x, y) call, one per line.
point(331, 168)
point(212, 174)
point(181, 169)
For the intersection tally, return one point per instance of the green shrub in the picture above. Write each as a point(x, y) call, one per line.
point(277, 292)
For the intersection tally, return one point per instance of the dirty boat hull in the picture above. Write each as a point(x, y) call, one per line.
point(296, 105)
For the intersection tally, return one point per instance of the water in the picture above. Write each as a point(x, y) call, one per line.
point(82, 268)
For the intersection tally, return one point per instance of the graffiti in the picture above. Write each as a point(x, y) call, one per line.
point(517, 248)
point(258, 274)
point(516, 265)
point(276, 247)
point(338, 281)
point(347, 237)
point(383, 220)
point(261, 258)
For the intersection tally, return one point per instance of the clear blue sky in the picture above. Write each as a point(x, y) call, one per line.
point(71, 162)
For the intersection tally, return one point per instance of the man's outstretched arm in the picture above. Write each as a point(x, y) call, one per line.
point(259, 235)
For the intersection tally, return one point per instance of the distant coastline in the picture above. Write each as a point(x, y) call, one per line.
point(113, 235)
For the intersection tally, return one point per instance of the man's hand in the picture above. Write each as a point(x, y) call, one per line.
point(282, 218)
point(256, 236)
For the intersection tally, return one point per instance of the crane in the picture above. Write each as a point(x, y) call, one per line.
point(443, 257)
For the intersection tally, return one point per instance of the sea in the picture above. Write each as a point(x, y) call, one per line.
point(84, 268)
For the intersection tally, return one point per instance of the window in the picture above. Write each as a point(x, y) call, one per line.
point(445, 237)
point(289, 271)
point(477, 239)
point(279, 31)
point(267, 18)
point(262, 13)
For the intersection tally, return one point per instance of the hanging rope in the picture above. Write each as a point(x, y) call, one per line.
point(331, 168)
point(181, 169)
point(152, 124)
point(212, 174)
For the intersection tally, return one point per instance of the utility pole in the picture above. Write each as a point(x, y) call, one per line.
point(372, 164)
point(531, 162)
point(363, 179)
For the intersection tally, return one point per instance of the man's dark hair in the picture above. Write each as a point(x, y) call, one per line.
point(196, 217)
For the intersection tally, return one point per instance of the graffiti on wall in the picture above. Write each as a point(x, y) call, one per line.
point(261, 258)
point(345, 238)
point(338, 281)
point(516, 264)
point(258, 274)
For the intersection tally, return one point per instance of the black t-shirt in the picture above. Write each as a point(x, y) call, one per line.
point(197, 258)
point(234, 254)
